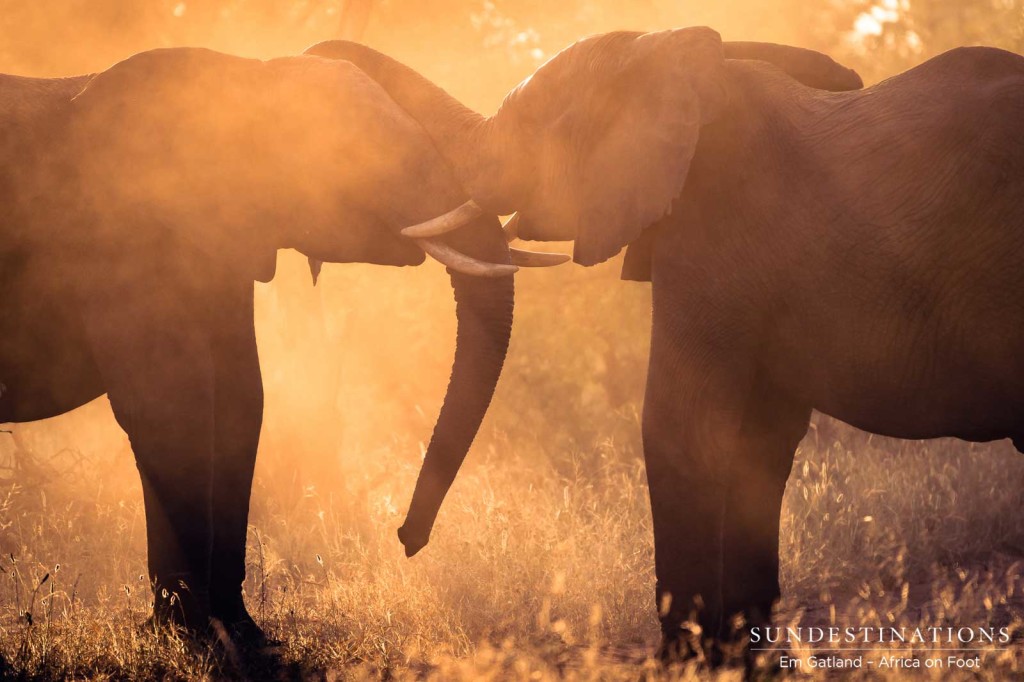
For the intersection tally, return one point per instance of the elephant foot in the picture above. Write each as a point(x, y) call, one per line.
point(239, 626)
point(186, 610)
point(713, 654)
point(246, 635)
point(247, 650)
point(687, 643)
point(681, 645)
point(167, 629)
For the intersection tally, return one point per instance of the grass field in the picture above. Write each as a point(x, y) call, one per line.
point(541, 564)
point(536, 570)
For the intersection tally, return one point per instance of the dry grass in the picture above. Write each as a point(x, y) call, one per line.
point(533, 572)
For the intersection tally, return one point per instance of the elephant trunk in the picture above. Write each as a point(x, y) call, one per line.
point(484, 308)
point(484, 305)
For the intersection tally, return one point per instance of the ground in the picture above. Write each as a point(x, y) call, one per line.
point(534, 572)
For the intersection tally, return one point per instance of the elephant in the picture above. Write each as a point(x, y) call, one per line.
point(810, 244)
point(139, 205)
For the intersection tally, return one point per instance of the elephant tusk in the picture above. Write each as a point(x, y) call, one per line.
point(537, 259)
point(529, 259)
point(511, 227)
point(460, 262)
point(442, 224)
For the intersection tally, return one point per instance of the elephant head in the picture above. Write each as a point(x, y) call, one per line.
point(230, 159)
point(594, 147)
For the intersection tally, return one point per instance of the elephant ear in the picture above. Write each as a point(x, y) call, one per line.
point(636, 148)
point(150, 139)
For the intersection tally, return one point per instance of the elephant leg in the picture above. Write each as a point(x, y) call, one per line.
point(718, 446)
point(239, 414)
point(773, 426)
point(153, 353)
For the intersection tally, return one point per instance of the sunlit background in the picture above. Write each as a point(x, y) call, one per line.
point(546, 532)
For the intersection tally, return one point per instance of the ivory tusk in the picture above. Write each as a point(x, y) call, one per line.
point(460, 262)
point(442, 224)
point(511, 227)
point(537, 259)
